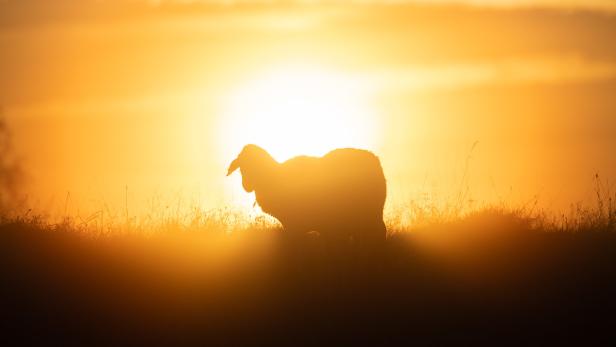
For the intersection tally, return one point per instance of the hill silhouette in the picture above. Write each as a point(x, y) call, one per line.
point(490, 277)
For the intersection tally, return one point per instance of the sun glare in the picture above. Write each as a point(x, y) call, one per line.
point(297, 110)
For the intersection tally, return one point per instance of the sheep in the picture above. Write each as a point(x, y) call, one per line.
point(340, 196)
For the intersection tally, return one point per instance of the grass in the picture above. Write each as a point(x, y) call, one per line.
point(492, 275)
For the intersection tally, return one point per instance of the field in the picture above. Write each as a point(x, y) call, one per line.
point(142, 140)
point(492, 275)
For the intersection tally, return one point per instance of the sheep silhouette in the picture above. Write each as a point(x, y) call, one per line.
point(340, 195)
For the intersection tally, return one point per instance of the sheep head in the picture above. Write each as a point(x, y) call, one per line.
point(255, 165)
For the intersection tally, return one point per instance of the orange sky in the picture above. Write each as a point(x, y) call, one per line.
point(104, 95)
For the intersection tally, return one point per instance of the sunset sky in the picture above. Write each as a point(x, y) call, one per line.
point(512, 99)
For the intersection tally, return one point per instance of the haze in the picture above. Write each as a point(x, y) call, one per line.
point(119, 104)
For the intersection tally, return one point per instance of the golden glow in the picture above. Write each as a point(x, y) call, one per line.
point(293, 110)
point(132, 104)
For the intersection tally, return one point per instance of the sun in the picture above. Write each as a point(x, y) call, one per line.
point(298, 110)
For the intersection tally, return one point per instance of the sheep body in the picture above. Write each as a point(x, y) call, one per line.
point(340, 195)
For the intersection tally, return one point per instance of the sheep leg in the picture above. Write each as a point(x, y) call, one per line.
point(371, 235)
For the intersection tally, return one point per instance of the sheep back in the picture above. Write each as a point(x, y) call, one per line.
point(345, 190)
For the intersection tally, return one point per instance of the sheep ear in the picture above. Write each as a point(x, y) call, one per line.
point(234, 166)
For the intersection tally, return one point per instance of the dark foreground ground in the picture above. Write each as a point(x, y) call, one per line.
point(484, 280)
